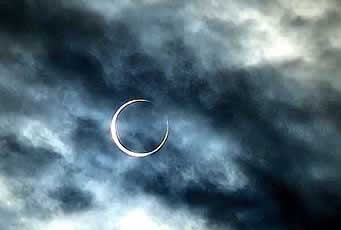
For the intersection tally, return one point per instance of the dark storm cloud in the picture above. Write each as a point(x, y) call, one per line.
point(277, 164)
point(53, 20)
point(248, 147)
point(23, 160)
point(72, 199)
point(86, 132)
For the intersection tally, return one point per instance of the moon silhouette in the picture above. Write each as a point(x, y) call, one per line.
point(115, 136)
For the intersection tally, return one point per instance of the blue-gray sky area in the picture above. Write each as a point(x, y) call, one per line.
point(251, 89)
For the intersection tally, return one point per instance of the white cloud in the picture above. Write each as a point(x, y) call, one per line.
point(40, 135)
point(8, 199)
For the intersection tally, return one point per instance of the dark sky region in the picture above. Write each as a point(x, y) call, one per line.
point(252, 90)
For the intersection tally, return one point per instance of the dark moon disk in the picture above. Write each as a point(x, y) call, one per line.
point(115, 136)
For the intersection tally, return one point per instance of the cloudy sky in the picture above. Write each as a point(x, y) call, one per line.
point(251, 88)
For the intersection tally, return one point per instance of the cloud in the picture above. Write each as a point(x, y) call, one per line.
point(250, 89)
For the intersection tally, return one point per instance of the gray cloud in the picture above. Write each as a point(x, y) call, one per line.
point(250, 89)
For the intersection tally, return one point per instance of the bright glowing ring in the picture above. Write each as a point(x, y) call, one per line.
point(115, 137)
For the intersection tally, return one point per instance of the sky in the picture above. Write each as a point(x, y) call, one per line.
point(251, 89)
